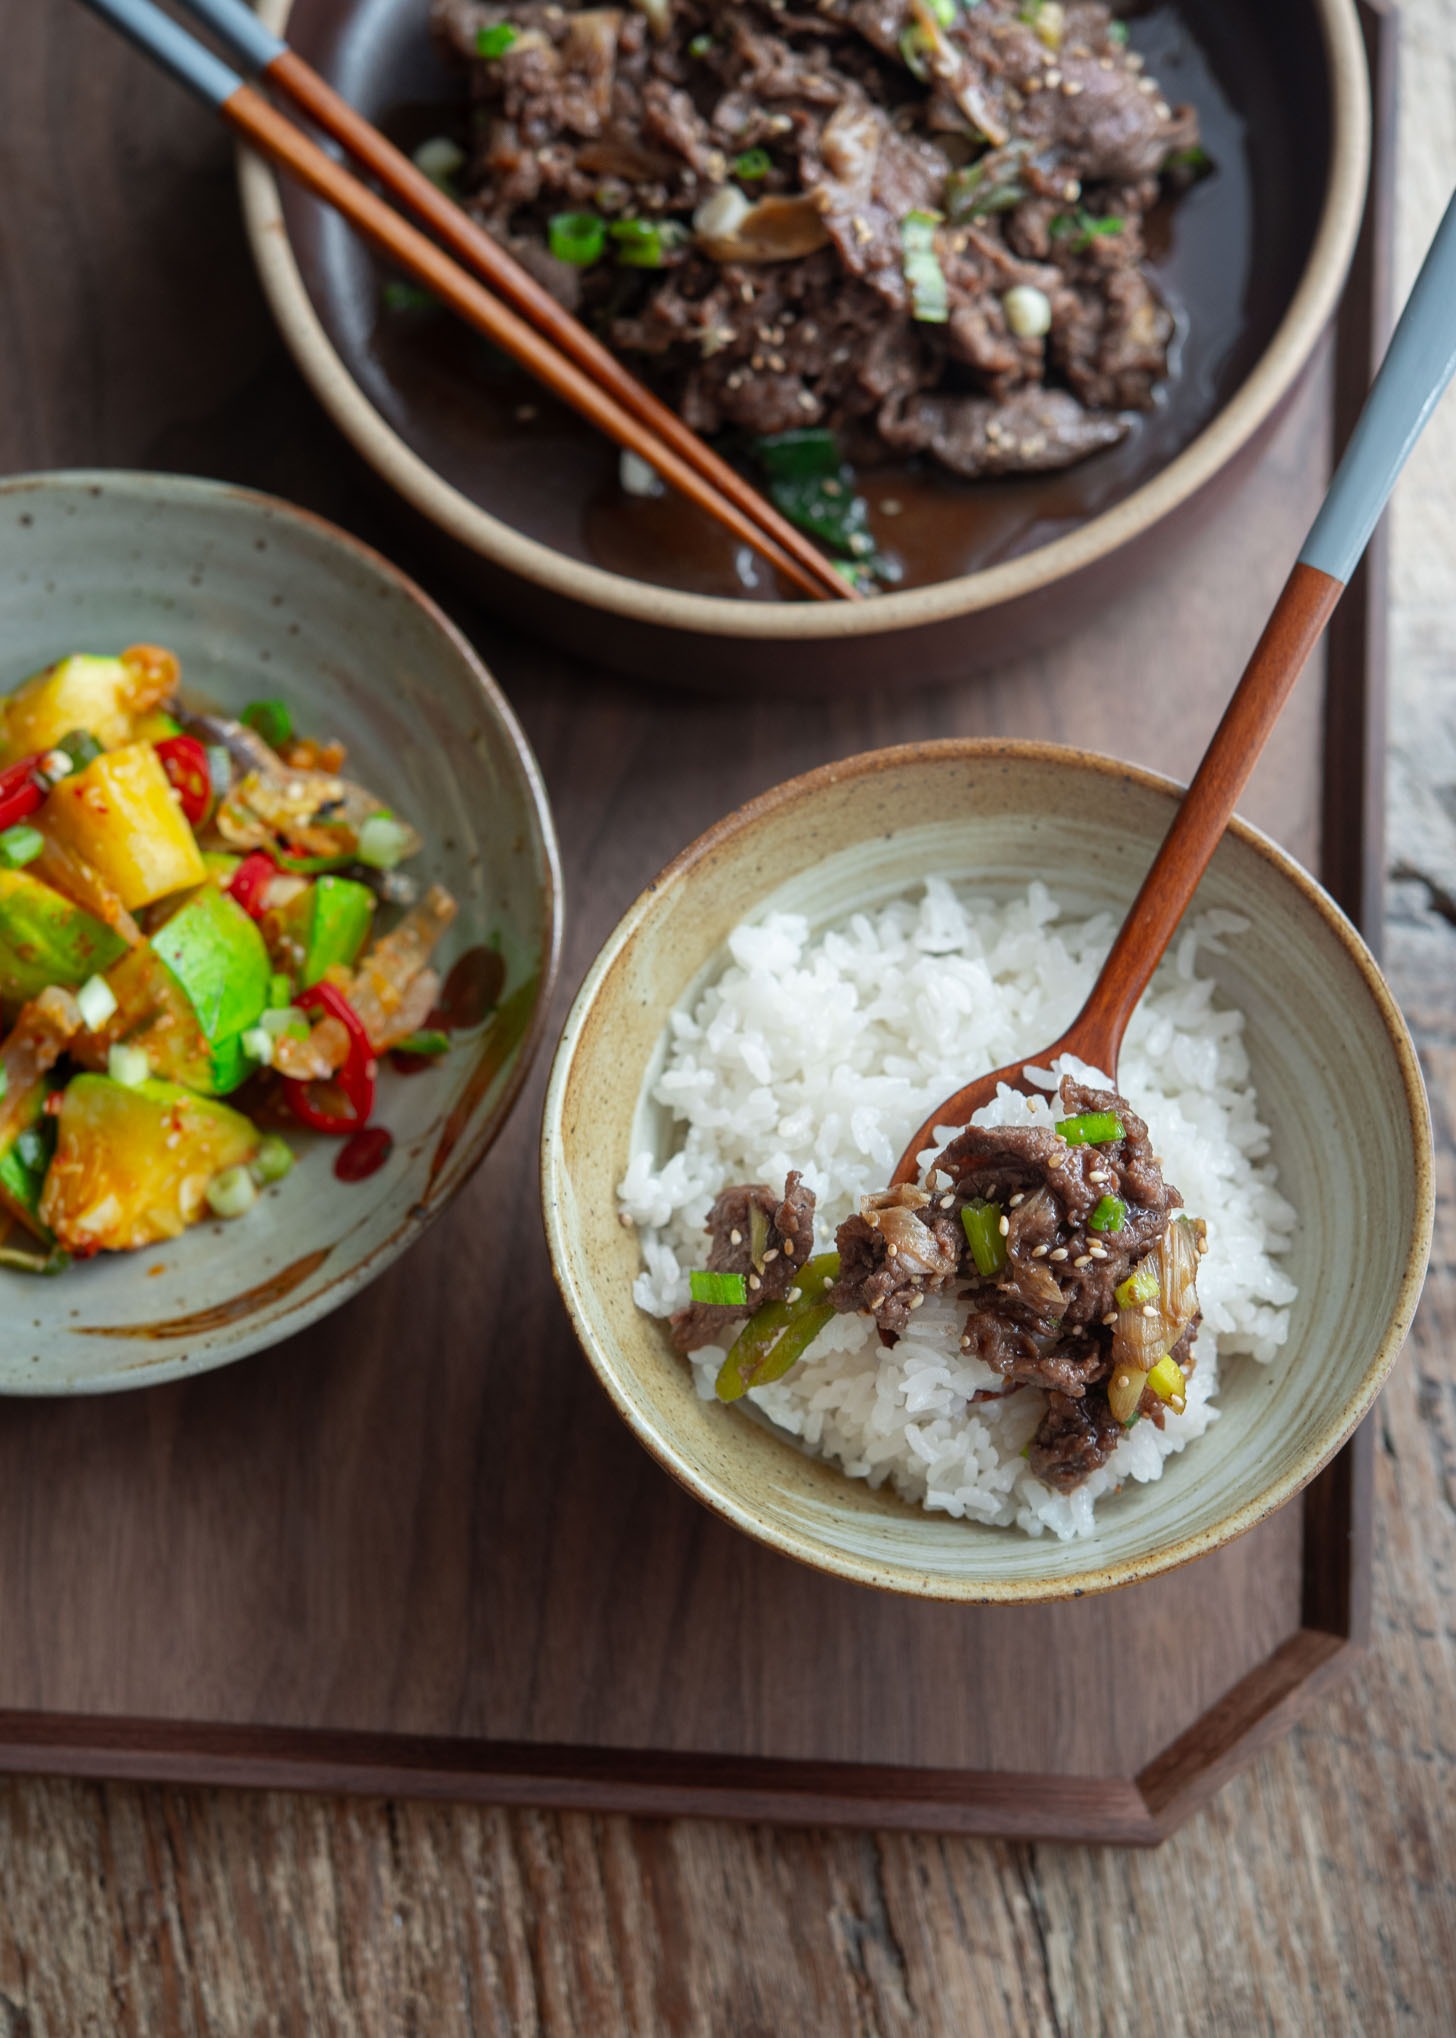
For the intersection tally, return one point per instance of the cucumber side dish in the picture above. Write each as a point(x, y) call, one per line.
point(192, 909)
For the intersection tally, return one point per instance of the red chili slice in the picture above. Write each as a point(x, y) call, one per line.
point(20, 793)
point(355, 1078)
point(185, 762)
point(250, 881)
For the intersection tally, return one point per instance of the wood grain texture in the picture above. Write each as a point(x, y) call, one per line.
point(1319, 1889)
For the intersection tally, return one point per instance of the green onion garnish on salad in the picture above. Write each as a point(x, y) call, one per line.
point(929, 301)
point(496, 40)
point(576, 237)
point(81, 747)
point(20, 845)
point(271, 720)
point(428, 1041)
point(1090, 1128)
point(1109, 1215)
point(725, 1290)
point(982, 1224)
point(382, 841)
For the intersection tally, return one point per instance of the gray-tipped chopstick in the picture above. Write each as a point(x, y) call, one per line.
point(558, 351)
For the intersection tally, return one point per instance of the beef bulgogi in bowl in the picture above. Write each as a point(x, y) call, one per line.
point(1125, 1325)
point(980, 295)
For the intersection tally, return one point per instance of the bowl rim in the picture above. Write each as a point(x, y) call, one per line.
point(1252, 403)
point(904, 1578)
point(143, 485)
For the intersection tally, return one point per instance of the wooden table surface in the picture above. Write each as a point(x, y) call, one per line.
point(1320, 1886)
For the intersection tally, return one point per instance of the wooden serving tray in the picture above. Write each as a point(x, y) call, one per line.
point(414, 1551)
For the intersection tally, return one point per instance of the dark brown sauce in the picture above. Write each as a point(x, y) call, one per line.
point(1228, 256)
point(472, 990)
point(364, 1153)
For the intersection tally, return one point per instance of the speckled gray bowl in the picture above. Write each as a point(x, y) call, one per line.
point(258, 598)
point(1337, 1078)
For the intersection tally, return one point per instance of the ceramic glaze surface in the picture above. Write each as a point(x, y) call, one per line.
point(258, 599)
point(1336, 1075)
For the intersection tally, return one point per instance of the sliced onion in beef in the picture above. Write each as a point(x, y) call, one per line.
point(1147, 1331)
point(776, 229)
point(918, 1251)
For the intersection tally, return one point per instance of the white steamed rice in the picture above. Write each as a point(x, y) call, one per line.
point(824, 1052)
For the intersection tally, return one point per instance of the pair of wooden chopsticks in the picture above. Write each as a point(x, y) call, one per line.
point(521, 318)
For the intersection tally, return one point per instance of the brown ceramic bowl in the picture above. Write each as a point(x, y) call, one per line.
point(1333, 1063)
point(530, 512)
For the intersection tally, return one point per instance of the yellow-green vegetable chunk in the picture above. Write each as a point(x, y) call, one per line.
point(45, 939)
point(103, 696)
point(133, 1163)
point(119, 814)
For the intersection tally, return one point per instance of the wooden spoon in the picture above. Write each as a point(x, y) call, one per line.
point(1418, 365)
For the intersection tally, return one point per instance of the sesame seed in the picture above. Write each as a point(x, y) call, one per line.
point(777, 363)
point(1163, 110)
point(891, 506)
point(771, 1254)
point(1058, 1253)
point(1071, 89)
point(1097, 1252)
point(1110, 1317)
point(946, 1202)
point(1018, 1199)
point(807, 401)
point(916, 1300)
point(754, 1282)
point(793, 1295)
point(965, 1344)
point(1148, 1311)
point(1004, 1227)
point(1038, 1252)
point(1082, 1260)
point(1053, 77)
point(828, 1281)
point(735, 1238)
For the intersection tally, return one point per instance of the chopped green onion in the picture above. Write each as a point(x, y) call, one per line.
point(428, 1041)
point(1090, 1128)
point(81, 747)
point(644, 243)
point(54, 1262)
point(576, 237)
point(219, 770)
point(985, 186)
point(1109, 1215)
point(273, 1159)
point(33, 1147)
point(271, 720)
point(982, 1224)
point(700, 45)
point(97, 1002)
point(726, 1290)
point(440, 159)
point(799, 455)
point(496, 40)
point(1140, 1287)
point(752, 164)
point(285, 1019)
point(280, 991)
point(20, 845)
point(402, 296)
point(1085, 225)
point(232, 1192)
point(915, 53)
point(926, 279)
point(1169, 1384)
point(258, 1044)
point(382, 841)
point(1117, 33)
point(755, 1357)
point(127, 1065)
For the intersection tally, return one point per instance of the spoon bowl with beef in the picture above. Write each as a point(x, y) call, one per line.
point(785, 999)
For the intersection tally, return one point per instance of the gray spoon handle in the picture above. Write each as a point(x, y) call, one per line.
point(1418, 364)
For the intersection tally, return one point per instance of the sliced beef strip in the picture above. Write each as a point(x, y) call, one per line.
point(1075, 1437)
point(789, 1243)
point(1037, 431)
point(896, 1249)
point(1028, 1361)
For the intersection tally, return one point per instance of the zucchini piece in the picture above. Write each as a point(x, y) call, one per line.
point(45, 939)
point(132, 1164)
point(325, 927)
